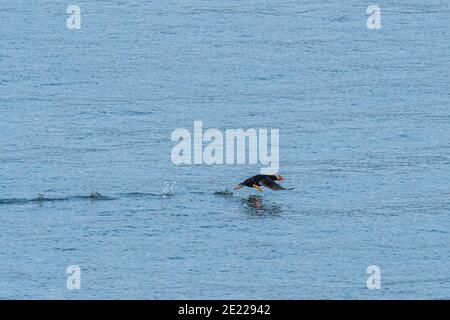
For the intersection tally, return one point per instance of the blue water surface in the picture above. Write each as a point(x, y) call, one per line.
point(86, 176)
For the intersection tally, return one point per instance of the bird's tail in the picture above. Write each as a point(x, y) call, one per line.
point(238, 187)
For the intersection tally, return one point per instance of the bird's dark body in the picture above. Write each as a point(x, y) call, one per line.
point(250, 182)
point(260, 180)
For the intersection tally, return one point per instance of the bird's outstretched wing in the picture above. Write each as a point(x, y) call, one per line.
point(272, 184)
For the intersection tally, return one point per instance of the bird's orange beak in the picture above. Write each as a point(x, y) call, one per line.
point(280, 178)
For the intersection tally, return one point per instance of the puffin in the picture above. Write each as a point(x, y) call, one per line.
point(266, 180)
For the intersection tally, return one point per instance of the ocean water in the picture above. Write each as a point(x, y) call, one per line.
point(86, 176)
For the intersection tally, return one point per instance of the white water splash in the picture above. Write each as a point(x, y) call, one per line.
point(168, 189)
point(40, 197)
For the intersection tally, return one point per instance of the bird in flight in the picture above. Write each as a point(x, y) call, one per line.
point(262, 180)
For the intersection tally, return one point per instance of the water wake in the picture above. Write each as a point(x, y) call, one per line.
point(167, 191)
point(41, 198)
point(224, 193)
